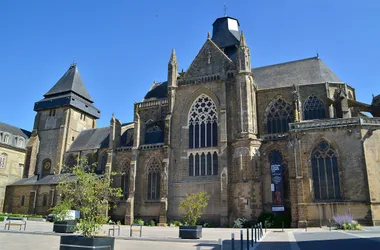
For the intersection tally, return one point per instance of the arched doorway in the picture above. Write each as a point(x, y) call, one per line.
point(280, 187)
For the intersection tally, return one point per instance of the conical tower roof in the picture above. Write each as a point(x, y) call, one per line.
point(71, 81)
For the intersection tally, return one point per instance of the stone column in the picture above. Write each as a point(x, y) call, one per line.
point(129, 210)
point(164, 194)
point(224, 196)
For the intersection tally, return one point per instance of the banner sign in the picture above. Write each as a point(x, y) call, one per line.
point(277, 188)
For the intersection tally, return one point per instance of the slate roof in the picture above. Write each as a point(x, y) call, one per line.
point(71, 81)
point(305, 71)
point(157, 91)
point(69, 90)
point(91, 139)
point(222, 35)
point(47, 180)
point(14, 130)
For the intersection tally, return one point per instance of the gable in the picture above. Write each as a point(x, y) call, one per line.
point(210, 60)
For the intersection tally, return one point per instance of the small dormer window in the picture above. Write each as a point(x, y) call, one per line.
point(83, 117)
point(6, 139)
point(52, 112)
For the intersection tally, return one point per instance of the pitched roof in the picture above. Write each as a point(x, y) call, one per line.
point(157, 91)
point(91, 139)
point(305, 71)
point(14, 130)
point(47, 180)
point(71, 81)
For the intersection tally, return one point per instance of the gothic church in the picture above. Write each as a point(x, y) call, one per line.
point(289, 138)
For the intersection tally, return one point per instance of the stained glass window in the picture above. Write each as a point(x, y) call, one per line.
point(279, 114)
point(313, 108)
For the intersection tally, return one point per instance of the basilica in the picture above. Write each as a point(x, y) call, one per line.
point(288, 138)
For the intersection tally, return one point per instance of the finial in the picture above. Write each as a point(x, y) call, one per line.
point(113, 115)
point(225, 9)
point(243, 43)
point(154, 81)
point(373, 96)
point(317, 53)
point(173, 57)
point(208, 35)
point(74, 62)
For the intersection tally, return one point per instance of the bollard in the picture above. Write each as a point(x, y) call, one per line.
point(261, 229)
point(252, 236)
point(305, 226)
point(233, 241)
point(247, 238)
point(199, 248)
point(241, 240)
point(282, 226)
point(330, 224)
point(255, 235)
point(220, 244)
point(265, 225)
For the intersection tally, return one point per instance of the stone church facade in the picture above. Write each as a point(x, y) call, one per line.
point(288, 137)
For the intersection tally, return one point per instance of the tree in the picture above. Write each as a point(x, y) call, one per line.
point(89, 193)
point(192, 207)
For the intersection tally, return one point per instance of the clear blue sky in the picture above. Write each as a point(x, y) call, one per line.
point(121, 47)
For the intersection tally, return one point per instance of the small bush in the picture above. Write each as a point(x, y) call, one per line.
point(175, 223)
point(239, 222)
point(209, 224)
point(152, 223)
point(1, 218)
point(346, 222)
point(139, 221)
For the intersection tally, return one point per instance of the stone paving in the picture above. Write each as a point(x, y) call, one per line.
point(39, 236)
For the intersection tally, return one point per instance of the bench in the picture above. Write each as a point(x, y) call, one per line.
point(15, 221)
point(114, 227)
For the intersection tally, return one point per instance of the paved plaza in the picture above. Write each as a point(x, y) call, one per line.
point(39, 235)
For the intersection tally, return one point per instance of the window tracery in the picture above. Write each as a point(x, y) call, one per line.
point(278, 115)
point(324, 162)
point(313, 108)
point(154, 171)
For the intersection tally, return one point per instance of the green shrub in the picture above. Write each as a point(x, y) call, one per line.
point(152, 223)
point(209, 224)
point(139, 221)
point(192, 207)
point(274, 221)
point(175, 223)
point(1, 218)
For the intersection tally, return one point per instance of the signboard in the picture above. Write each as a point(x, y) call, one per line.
point(277, 188)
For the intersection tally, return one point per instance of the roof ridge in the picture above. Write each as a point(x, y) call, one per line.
point(23, 130)
point(294, 61)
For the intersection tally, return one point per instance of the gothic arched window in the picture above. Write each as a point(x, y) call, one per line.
point(154, 170)
point(44, 200)
point(278, 115)
point(70, 162)
point(324, 163)
point(125, 181)
point(203, 123)
point(3, 160)
point(313, 108)
point(103, 163)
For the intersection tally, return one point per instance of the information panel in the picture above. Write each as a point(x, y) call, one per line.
point(277, 188)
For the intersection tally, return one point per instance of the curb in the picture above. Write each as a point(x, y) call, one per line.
point(211, 242)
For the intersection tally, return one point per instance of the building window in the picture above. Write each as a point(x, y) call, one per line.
point(52, 112)
point(125, 181)
point(44, 200)
point(90, 162)
point(202, 164)
point(22, 202)
point(3, 160)
point(21, 143)
point(278, 115)
point(154, 170)
point(103, 163)
point(313, 108)
point(83, 117)
point(203, 123)
point(6, 138)
point(324, 162)
point(70, 163)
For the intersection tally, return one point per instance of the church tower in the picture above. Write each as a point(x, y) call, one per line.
point(62, 114)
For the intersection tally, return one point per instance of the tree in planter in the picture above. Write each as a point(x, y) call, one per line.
point(88, 193)
point(192, 207)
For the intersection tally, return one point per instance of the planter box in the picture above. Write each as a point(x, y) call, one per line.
point(79, 242)
point(66, 226)
point(190, 232)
